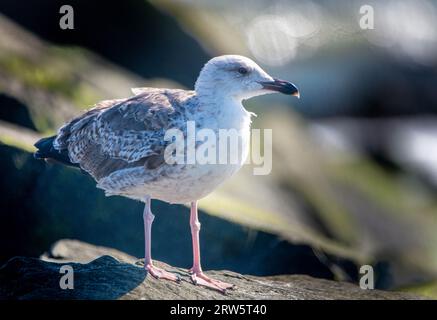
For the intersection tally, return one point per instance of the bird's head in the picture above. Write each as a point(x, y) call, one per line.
point(240, 77)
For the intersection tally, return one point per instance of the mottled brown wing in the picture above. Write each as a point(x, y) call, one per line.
point(120, 134)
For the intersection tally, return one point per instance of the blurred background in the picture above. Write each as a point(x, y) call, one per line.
point(354, 177)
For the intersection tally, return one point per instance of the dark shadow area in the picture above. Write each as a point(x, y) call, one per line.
point(14, 111)
point(130, 33)
point(42, 203)
point(91, 280)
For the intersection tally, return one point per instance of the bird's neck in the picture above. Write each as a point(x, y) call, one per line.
point(227, 110)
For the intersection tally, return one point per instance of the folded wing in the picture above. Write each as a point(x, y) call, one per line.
point(124, 133)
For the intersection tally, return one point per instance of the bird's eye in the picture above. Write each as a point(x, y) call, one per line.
point(242, 70)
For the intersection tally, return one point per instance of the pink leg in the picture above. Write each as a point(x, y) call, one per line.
point(198, 277)
point(156, 272)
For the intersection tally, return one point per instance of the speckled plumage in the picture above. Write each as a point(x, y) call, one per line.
point(125, 144)
point(121, 142)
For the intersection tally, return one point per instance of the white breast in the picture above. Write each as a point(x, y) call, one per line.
point(185, 183)
point(195, 181)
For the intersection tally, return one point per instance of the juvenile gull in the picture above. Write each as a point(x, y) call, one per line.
point(121, 143)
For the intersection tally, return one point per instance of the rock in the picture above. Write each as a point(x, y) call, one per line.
point(121, 276)
point(46, 202)
point(69, 250)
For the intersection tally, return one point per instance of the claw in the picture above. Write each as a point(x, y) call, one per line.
point(202, 279)
point(159, 273)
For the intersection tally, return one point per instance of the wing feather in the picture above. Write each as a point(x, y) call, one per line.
point(124, 133)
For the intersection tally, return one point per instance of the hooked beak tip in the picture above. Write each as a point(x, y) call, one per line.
point(281, 86)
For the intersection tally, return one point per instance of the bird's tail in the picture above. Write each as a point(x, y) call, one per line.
point(46, 151)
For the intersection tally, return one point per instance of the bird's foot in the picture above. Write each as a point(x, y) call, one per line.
point(201, 279)
point(159, 273)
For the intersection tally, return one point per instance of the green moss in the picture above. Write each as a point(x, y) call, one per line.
point(235, 210)
point(50, 75)
point(14, 142)
point(380, 185)
point(35, 75)
point(43, 123)
point(426, 289)
point(55, 74)
point(334, 215)
point(244, 213)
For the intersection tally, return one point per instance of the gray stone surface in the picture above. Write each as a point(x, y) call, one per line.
point(103, 273)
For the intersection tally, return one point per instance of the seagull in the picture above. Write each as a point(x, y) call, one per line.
point(122, 144)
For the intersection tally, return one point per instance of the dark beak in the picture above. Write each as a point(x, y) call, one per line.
point(281, 86)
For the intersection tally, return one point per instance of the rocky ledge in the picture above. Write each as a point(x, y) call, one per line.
point(104, 273)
